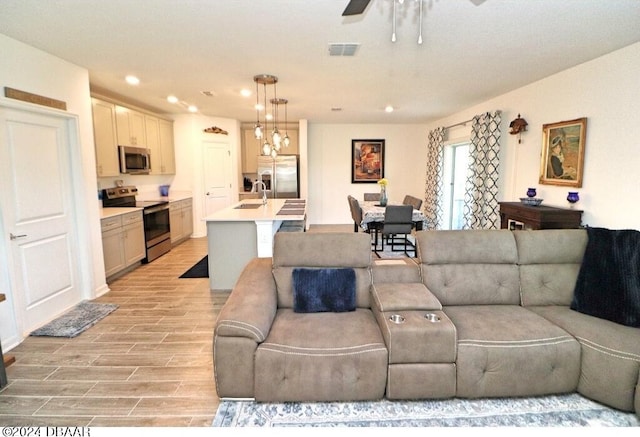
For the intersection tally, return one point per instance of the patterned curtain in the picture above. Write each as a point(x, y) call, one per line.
point(481, 209)
point(433, 209)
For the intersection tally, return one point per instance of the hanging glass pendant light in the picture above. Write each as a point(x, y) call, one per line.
point(275, 134)
point(286, 139)
point(271, 144)
point(257, 129)
point(264, 80)
point(278, 140)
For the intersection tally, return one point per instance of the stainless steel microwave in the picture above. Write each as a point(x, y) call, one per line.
point(134, 160)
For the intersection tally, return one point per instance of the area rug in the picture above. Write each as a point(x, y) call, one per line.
point(199, 270)
point(548, 411)
point(72, 323)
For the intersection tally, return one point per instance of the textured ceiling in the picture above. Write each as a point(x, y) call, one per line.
point(470, 53)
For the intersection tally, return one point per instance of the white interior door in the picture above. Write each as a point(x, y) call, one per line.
point(37, 207)
point(217, 175)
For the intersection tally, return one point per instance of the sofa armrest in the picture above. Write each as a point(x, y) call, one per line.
point(252, 304)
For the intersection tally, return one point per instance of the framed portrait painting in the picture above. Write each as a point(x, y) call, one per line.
point(367, 161)
point(562, 157)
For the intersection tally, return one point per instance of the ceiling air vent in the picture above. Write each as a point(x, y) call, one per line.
point(343, 49)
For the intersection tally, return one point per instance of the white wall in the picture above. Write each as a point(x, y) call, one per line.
point(28, 69)
point(329, 166)
point(607, 92)
point(188, 134)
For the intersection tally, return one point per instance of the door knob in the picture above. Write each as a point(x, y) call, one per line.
point(207, 193)
point(15, 237)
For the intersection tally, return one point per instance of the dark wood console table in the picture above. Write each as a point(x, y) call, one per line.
point(537, 217)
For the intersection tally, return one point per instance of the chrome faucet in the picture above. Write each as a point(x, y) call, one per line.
point(264, 192)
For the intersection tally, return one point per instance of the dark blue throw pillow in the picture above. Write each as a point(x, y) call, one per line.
point(324, 290)
point(608, 284)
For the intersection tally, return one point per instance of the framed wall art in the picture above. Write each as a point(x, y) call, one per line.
point(367, 161)
point(562, 157)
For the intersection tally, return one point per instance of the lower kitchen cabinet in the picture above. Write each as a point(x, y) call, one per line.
point(181, 220)
point(122, 241)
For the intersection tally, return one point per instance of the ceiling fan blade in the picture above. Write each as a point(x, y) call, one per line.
point(355, 7)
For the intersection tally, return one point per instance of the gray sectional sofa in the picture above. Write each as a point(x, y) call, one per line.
point(479, 314)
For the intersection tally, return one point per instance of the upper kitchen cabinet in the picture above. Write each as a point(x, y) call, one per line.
point(131, 127)
point(250, 151)
point(159, 134)
point(153, 142)
point(252, 148)
point(105, 138)
point(167, 147)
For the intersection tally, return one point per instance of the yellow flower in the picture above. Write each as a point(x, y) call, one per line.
point(383, 182)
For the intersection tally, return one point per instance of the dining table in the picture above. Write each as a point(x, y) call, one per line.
point(373, 212)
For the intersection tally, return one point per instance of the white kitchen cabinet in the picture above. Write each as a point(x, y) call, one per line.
point(130, 126)
point(250, 151)
point(152, 134)
point(181, 220)
point(159, 134)
point(123, 242)
point(252, 148)
point(105, 138)
point(167, 147)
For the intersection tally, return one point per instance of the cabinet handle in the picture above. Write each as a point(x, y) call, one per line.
point(15, 237)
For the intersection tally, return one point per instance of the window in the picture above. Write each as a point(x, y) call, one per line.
point(456, 163)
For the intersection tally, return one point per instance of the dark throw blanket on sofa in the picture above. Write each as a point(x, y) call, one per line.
point(608, 284)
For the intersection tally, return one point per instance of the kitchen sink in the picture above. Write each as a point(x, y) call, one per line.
point(249, 206)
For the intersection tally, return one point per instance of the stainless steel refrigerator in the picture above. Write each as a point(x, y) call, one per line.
point(281, 176)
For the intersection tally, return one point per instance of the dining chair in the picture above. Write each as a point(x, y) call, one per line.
point(356, 212)
point(413, 201)
point(356, 215)
point(397, 221)
point(371, 196)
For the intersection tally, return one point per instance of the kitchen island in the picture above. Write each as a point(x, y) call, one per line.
point(245, 231)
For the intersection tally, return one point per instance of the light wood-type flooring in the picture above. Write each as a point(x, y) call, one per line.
point(149, 363)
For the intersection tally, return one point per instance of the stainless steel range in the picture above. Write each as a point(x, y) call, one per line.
point(157, 231)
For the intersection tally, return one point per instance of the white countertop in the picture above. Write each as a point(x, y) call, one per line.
point(173, 197)
point(267, 212)
point(110, 212)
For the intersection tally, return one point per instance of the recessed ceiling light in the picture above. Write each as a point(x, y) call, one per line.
point(192, 108)
point(245, 92)
point(172, 99)
point(132, 80)
point(389, 108)
point(269, 117)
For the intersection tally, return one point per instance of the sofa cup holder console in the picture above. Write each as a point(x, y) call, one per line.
point(397, 318)
point(433, 318)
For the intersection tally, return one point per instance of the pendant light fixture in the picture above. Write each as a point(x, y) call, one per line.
point(286, 139)
point(272, 143)
point(278, 139)
point(275, 134)
point(257, 129)
point(393, 24)
point(393, 33)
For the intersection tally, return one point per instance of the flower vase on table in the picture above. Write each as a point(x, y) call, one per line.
point(383, 192)
point(383, 196)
